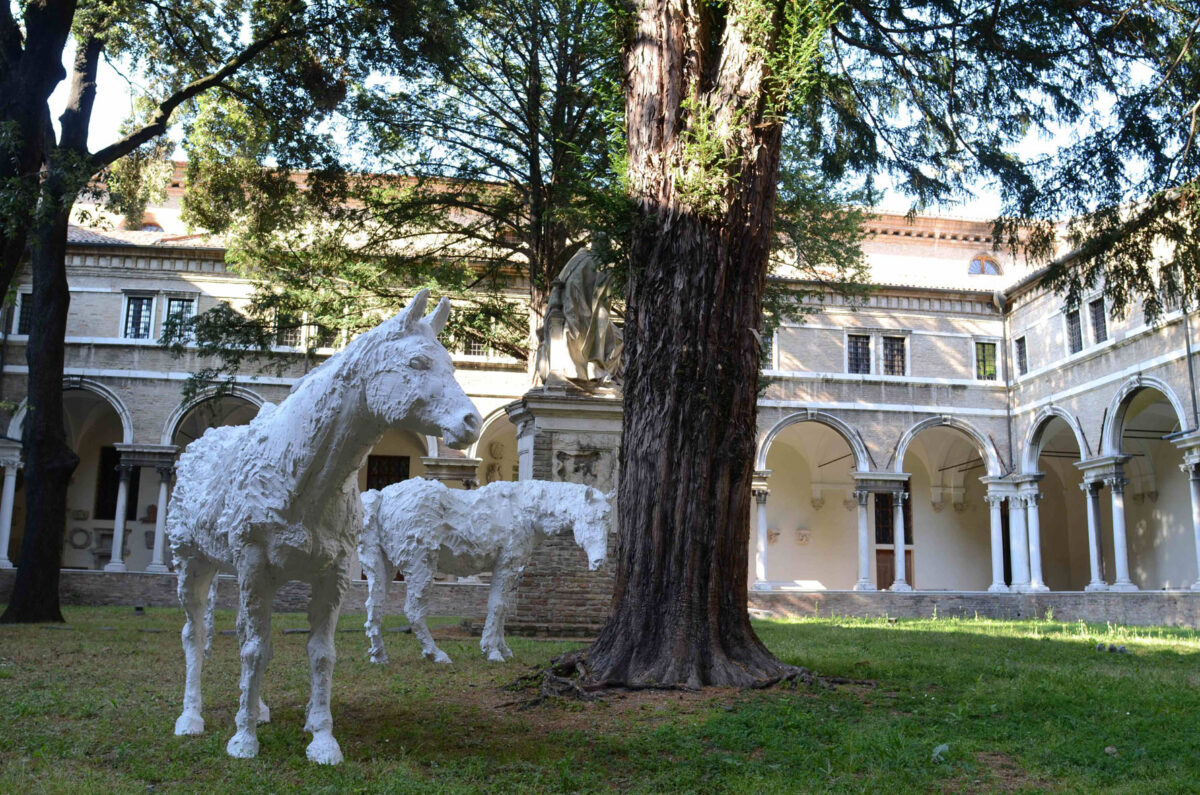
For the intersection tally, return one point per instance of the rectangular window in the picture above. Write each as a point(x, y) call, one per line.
point(108, 480)
point(1074, 332)
point(324, 336)
point(384, 470)
point(858, 354)
point(288, 331)
point(179, 311)
point(885, 519)
point(1022, 357)
point(893, 355)
point(985, 361)
point(24, 313)
point(139, 312)
point(474, 347)
point(1099, 320)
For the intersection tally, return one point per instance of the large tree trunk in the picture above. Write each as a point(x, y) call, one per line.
point(691, 374)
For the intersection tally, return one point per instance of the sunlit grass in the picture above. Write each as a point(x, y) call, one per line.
point(1018, 705)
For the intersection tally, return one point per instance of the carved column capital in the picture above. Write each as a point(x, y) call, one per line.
point(994, 500)
point(862, 495)
point(760, 496)
point(1117, 483)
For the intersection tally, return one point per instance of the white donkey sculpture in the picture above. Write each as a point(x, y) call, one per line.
point(278, 500)
point(421, 526)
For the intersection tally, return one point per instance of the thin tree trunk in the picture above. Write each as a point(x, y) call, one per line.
point(49, 461)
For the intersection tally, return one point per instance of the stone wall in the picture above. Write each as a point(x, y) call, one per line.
point(1147, 608)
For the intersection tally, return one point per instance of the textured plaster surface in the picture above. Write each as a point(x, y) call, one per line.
point(421, 527)
point(277, 500)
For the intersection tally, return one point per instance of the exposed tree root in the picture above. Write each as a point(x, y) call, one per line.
point(568, 677)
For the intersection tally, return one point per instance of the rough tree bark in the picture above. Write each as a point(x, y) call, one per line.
point(699, 263)
point(48, 458)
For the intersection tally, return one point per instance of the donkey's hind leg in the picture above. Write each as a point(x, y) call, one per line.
point(417, 580)
point(378, 572)
point(505, 576)
point(194, 578)
point(323, 612)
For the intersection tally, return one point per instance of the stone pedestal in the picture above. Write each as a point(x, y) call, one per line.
point(457, 473)
point(566, 435)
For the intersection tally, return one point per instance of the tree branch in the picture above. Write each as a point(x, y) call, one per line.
point(162, 115)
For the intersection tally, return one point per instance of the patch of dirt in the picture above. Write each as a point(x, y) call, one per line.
point(1004, 774)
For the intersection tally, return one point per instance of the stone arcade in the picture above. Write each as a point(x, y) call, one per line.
point(962, 433)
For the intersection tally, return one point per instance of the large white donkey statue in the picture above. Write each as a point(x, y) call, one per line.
point(421, 527)
point(277, 500)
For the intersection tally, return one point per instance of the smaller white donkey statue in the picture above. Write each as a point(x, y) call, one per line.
point(421, 527)
point(277, 500)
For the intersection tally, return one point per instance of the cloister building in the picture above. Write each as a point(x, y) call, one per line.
point(961, 413)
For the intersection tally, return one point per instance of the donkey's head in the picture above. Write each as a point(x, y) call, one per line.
point(591, 526)
point(409, 379)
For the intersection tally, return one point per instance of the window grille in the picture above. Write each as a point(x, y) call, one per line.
point(474, 347)
point(984, 266)
point(1022, 357)
point(138, 314)
point(1074, 331)
point(25, 313)
point(384, 470)
point(985, 361)
point(1099, 320)
point(858, 353)
point(893, 355)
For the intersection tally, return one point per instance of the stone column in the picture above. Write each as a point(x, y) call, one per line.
point(760, 545)
point(901, 583)
point(997, 526)
point(117, 562)
point(1091, 492)
point(1036, 583)
point(864, 543)
point(1192, 468)
point(157, 561)
point(1018, 544)
point(6, 507)
point(1120, 550)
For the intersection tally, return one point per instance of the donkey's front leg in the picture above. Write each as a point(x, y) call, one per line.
point(323, 613)
point(505, 577)
point(256, 590)
point(378, 572)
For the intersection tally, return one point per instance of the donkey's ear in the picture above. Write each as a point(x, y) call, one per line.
point(437, 321)
point(409, 315)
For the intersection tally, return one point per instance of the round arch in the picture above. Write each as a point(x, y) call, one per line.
point(986, 448)
point(1032, 446)
point(17, 423)
point(492, 417)
point(1114, 417)
point(209, 393)
point(862, 458)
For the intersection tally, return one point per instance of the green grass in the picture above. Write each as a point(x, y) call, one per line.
point(1021, 706)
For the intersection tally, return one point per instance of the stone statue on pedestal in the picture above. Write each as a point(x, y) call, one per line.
point(581, 343)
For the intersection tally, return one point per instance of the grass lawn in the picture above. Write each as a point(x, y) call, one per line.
point(1019, 705)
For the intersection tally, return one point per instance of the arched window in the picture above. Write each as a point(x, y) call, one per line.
point(984, 265)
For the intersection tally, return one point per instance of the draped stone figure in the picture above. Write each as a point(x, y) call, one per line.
point(582, 344)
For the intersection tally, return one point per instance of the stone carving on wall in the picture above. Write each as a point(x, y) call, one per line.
point(580, 343)
point(586, 458)
point(277, 500)
point(421, 527)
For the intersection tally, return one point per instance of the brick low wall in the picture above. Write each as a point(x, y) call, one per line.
point(158, 590)
point(551, 602)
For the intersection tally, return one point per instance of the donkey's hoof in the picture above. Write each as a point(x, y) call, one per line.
point(242, 745)
point(324, 750)
point(189, 723)
point(495, 655)
point(379, 658)
point(264, 713)
point(438, 656)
